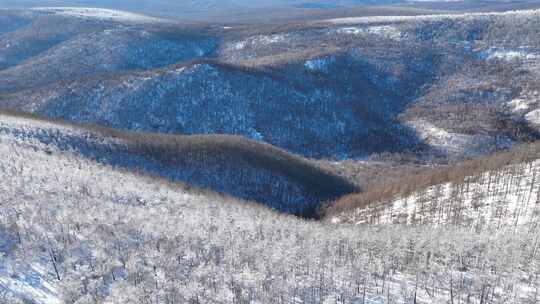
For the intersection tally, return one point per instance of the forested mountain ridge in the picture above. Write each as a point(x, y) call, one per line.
point(449, 86)
point(227, 164)
point(484, 193)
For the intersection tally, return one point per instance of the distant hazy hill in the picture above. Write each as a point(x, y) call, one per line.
point(186, 9)
point(264, 10)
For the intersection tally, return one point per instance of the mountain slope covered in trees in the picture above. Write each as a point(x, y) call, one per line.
point(226, 164)
point(501, 190)
point(74, 230)
point(449, 86)
point(208, 98)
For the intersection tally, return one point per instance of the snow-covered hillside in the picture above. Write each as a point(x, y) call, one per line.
point(505, 197)
point(33, 35)
point(324, 90)
point(98, 13)
point(456, 144)
point(209, 98)
point(77, 231)
point(42, 170)
point(232, 165)
point(105, 51)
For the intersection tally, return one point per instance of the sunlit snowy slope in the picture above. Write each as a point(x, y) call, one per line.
point(77, 231)
point(508, 196)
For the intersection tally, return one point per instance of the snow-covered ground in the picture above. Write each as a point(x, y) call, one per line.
point(257, 41)
point(527, 105)
point(33, 282)
point(99, 13)
point(520, 104)
point(455, 144)
point(387, 31)
point(523, 53)
point(319, 64)
point(533, 118)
